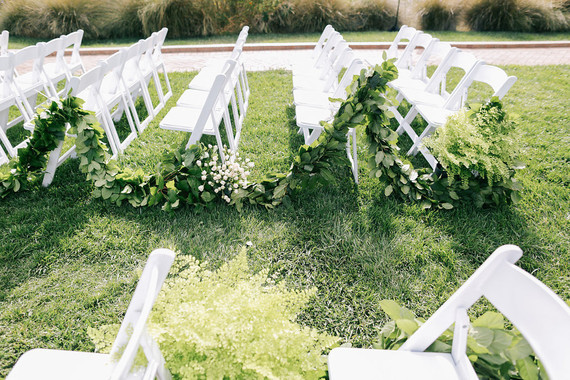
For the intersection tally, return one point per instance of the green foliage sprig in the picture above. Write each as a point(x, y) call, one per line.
point(495, 351)
point(232, 323)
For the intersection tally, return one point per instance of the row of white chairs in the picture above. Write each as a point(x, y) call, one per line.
point(24, 75)
point(111, 89)
point(317, 80)
point(429, 96)
point(220, 92)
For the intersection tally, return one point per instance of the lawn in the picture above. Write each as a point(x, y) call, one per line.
point(68, 261)
point(371, 36)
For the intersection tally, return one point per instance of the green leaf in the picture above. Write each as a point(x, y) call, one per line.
point(395, 311)
point(409, 326)
point(388, 190)
point(527, 369)
point(491, 320)
point(447, 206)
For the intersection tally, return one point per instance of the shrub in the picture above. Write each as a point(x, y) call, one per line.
point(495, 351)
point(310, 16)
point(370, 15)
point(122, 19)
point(437, 15)
point(232, 323)
point(181, 17)
point(15, 17)
point(515, 16)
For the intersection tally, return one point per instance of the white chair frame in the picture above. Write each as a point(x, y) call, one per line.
point(132, 336)
point(537, 312)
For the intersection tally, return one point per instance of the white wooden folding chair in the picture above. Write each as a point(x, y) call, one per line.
point(437, 53)
point(4, 37)
point(73, 41)
point(88, 87)
point(148, 73)
point(196, 98)
point(56, 72)
point(309, 116)
point(29, 82)
point(8, 98)
point(325, 35)
point(436, 116)
point(115, 97)
point(158, 62)
point(418, 45)
point(136, 85)
point(205, 120)
point(132, 337)
point(535, 310)
point(406, 33)
point(324, 61)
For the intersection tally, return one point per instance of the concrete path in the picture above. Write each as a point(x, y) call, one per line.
point(260, 58)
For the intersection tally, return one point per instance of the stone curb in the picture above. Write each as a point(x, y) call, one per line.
point(309, 45)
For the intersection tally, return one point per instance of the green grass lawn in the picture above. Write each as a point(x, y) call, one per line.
point(372, 36)
point(68, 261)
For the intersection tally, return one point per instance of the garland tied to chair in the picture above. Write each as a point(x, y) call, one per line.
point(180, 177)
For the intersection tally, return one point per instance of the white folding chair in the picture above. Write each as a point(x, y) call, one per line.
point(205, 120)
point(88, 87)
point(73, 41)
point(325, 35)
point(406, 33)
point(438, 53)
point(4, 36)
point(436, 116)
point(29, 83)
point(309, 117)
point(4, 159)
point(115, 98)
point(8, 98)
point(535, 310)
point(56, 72)
point(132, 337)
point(158, 62)
point(418, 46)
point(136, 85)
point(195, 98)
point(315, 67)
point(149, 72)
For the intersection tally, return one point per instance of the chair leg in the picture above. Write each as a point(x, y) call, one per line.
point(52, 165)
point(427, 131)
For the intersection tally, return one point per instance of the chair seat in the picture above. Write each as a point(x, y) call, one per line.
point(311, 98)
point(184, 119)
point(309, 83)
point(61, 365)
point(364, 364)
point(54, 71)
point(418, 96)
point(311, 117)
point(196, 98)
point(412, 83)
point(205, 79)
point(434, 115)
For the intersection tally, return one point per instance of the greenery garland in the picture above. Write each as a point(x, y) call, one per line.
point(181, 177)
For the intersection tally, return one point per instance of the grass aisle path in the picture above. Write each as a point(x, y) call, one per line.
point(68, 262)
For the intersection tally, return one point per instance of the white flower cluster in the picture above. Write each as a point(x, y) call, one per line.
point(223, 178)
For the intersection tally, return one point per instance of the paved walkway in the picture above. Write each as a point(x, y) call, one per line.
point(259, 60)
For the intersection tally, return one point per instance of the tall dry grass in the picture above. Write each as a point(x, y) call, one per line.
point(516, 16)
point(438, 15)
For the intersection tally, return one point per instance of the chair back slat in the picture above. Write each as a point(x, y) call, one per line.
point(4, 37)
point(132, 329)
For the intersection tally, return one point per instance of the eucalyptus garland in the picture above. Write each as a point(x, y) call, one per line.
point(183, 178)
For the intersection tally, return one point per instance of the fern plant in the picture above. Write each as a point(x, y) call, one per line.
point(478, 142)
point(232, 323)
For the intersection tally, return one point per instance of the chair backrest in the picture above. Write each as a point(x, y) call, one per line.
point(158, 42)
point(114, 66)
point(30, 54)
point(132, 333)
point(90, 80)
point(437, 84)
point(537, 312)
point(322, 40)
point(215, 102)
point(353, 69)
point(4, 36)
point(435, 54)
point(405, 33)
point(333, 40)
point(494, 77)
point(74, 40)
point(419, 40)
